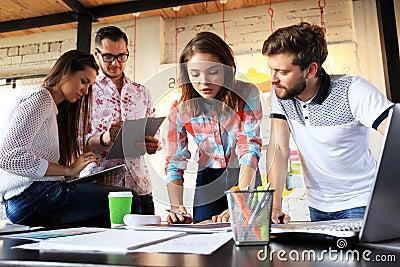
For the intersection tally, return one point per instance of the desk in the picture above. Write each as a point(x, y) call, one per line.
point(227, 255)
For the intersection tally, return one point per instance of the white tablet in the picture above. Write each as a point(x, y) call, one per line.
point(99, 175)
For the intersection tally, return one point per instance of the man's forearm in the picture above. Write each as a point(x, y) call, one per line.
point(277, 166)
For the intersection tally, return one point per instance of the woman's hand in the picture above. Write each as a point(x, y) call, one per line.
point(81, 163)
point(223, 217)
point(174, 218)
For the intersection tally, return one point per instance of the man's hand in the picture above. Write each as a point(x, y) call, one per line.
point(152, 144)
point(110, 135)
point(278, 216)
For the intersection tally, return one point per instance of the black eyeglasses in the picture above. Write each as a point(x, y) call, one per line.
point(108, 58)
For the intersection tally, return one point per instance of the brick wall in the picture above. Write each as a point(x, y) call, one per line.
point(247, 30)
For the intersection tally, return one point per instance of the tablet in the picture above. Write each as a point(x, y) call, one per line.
point(131, 134)
point(98, 175)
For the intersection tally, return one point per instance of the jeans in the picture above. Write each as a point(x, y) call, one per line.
point(59, 204)
point(317, 215)
point(147, 204)
point(209, 196)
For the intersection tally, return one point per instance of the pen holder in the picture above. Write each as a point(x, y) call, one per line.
point(250, 213)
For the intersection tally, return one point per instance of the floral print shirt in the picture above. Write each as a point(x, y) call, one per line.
point(109, 105)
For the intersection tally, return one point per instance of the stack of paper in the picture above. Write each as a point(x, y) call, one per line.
point(206, 228)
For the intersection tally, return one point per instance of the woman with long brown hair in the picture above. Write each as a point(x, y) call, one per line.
point(39, 148)
point(223, 116)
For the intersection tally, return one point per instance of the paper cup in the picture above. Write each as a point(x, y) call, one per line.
point(120, 204)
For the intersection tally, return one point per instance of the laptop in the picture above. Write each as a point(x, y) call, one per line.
point(382, 216)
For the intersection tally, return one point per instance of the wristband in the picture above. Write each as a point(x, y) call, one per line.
point(101, 140)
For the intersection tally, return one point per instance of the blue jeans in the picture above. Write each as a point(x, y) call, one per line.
point(317, 215)
point(209, 196)
point(59, 204)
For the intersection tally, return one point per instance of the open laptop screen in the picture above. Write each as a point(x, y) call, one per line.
point(382, 217)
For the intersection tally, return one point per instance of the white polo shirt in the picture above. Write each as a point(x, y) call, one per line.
point(331, 133)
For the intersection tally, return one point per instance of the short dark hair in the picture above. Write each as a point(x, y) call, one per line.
point(305, 41)
point(110, 32)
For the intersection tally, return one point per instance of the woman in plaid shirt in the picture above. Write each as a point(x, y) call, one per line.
point(223, 116)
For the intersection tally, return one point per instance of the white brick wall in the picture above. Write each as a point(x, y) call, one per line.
point(247, 29)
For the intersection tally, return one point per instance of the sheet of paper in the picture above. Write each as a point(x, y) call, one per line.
point(43, 235)
point(111, 240)
point(130, 139)
point(194, 244)
point(7, 227)
point(205, 228)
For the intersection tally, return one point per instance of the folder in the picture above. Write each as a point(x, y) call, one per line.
point(130, 138)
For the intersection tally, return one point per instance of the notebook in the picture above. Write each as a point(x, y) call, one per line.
point(130, 138)
point(382, 215)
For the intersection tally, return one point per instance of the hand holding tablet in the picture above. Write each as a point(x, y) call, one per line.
point(130, 141)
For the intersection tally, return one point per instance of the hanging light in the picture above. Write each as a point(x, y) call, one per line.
point(176, 10)
point(135, 15)
point(223, 2)
point(271, 15)
point(321, 11)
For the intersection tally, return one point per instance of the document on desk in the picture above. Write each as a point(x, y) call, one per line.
point(110, 241)
point(130, 141)
point(48, 234)
point(204, 228)
point(204, 244)
point(7, 227)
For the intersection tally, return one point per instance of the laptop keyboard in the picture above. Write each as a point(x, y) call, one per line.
point(337, 226)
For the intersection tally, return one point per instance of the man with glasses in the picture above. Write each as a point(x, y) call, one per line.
point(115, 99)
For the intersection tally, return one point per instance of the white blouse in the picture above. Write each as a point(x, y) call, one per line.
point(28, 141)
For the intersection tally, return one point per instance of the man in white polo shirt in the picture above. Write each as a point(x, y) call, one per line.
point(328, 117)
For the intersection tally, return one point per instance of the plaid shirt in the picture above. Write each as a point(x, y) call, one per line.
point(223, 139)
point(109, 105)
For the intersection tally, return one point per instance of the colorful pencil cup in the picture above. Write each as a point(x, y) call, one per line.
point(250, 213)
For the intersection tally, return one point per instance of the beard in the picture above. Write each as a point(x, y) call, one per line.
point(285, 93)
point(110, 74)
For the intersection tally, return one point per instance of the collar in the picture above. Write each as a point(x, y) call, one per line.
point(101, 77)
point(323, 91)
